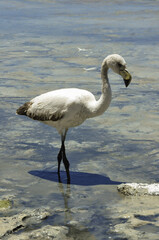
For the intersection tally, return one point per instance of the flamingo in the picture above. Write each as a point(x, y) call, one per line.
point(70, 107)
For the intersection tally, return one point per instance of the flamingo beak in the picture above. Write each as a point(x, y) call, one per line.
point(126, 76)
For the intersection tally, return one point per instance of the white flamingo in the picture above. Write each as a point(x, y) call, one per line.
point(70, 107)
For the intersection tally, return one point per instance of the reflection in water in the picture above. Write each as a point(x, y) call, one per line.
point(76, 230)
point(66, 195)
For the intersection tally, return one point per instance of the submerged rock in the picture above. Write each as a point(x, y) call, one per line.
point(141, 225)
point(31, 224)
point(136, 217)
point(139, 189)
point(44, 233)
point(13, 224)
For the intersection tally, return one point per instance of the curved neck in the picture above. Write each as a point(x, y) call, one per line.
point(104, 77)
point(102, 104)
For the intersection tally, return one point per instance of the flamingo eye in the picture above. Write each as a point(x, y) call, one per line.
point(120, 65)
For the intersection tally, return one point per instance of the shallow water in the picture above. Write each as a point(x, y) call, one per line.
point(51, 44)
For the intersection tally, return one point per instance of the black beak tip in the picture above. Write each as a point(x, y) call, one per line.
point(127, 82)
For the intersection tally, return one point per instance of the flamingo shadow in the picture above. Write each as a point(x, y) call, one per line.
point(77, 178)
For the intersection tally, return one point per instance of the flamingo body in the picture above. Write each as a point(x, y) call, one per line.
point(63, 108)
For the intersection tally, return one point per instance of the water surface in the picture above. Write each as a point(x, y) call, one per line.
point(46, 45)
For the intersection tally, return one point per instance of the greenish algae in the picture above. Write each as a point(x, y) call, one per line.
point(5, 203)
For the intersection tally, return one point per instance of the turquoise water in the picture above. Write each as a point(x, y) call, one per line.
point(46, 45)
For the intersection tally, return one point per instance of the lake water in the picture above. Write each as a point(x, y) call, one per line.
point(51, 44)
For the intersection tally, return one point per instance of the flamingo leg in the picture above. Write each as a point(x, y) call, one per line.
point(66, 163)
point(62, 155)
point(59, 158)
